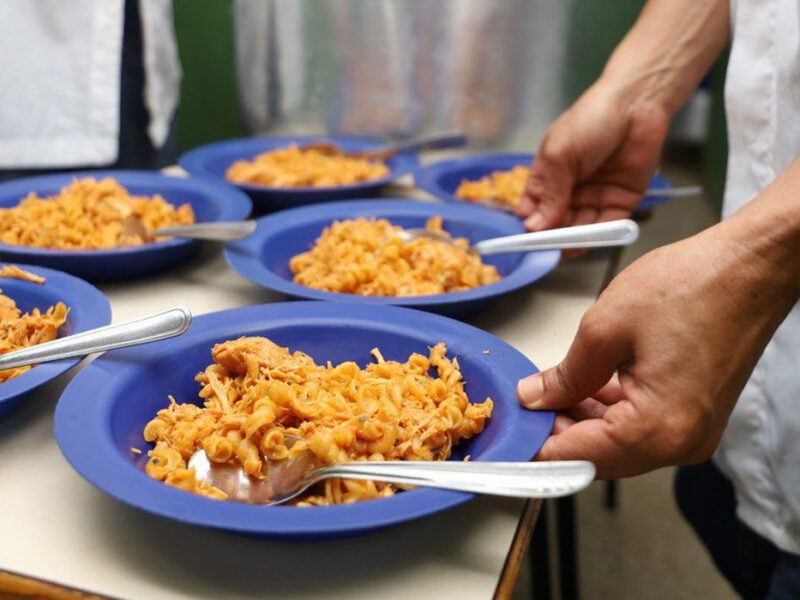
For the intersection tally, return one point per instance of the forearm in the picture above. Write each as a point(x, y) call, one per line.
point(766, 235)
point(669, 49)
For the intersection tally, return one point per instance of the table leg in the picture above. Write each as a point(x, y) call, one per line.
point(539, 557)
point(567, 548)
point(611, 494)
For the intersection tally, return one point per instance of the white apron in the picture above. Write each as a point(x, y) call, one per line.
point(60, 79)
point(760, 451)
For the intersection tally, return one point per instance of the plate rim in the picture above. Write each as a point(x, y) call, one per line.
point(85, 437)
point(98, 315)
point(234, 205)
point(241, 255)
point(425, 176)
point(193, 161)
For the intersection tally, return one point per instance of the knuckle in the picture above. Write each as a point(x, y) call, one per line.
point(592, 329)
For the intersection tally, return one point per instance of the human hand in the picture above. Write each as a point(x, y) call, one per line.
point(659, 361)
point(595, 160)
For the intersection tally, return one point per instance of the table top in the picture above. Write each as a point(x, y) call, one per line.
point(58, 527)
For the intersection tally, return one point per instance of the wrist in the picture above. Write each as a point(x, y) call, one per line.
point(764, 236)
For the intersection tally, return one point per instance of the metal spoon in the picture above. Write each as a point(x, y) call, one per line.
point(144, 330)
point(672, 192)
point(287, 479)
point(597, 235)
point(219, 231)
point(449, 139)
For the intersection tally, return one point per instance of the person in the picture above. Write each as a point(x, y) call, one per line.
point(86, 84)
point(654, 373)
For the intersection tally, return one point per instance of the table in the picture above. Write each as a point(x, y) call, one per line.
point(56, 526)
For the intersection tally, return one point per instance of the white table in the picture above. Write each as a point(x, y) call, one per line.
point(56, 526)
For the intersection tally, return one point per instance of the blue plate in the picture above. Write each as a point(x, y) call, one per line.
point(210, 201)
point(441, 179)
point(264, 256)
point(213, 160)
point(128, 387)
point(88, 309)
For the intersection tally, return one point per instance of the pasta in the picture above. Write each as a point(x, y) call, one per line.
point(89, 214)
point(367, 257)
point(256, 392)
point(501, 187)
point(295, 167)
point(21, 330)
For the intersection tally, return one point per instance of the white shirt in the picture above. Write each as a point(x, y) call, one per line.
point(60, 79)
point(760, 451)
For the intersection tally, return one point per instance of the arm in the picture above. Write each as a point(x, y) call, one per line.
point(596, 159)
point(660, 360)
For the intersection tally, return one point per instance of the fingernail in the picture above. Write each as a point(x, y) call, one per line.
point(534, 222)
point(530, 391)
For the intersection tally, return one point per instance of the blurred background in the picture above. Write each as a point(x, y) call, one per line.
point(499, 69)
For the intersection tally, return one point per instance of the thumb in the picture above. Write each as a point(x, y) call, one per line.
point(590, 363)
point(548, 191)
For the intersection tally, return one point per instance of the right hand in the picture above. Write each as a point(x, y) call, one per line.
point(595, 160)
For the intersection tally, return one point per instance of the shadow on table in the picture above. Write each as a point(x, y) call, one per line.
point(202, 562)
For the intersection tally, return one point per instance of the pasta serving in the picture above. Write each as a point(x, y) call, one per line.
point(367, 257)
point(256, 393)
point(501, 187)
point(89, 215)
point(297, 167)
point(21, 330)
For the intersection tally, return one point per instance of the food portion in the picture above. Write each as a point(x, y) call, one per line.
point(256, 393)
point(367, 257)
point(20, 330)
point(89, 215)
point(295, 167)
point(503, 188)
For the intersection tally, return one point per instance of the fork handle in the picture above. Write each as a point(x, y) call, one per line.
point(221, 231)
point(156, 327)
point(515, 479)
point(447, 139)
point(597, 235)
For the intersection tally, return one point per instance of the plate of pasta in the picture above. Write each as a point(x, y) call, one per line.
point(36, 306)
point(278, 173)
point(350, 382)
point(499, 178)
point(98, 224)
point(351, 251)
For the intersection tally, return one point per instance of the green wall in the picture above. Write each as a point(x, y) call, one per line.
point(209, 108)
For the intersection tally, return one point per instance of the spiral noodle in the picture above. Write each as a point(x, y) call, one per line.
point(297, 167)
point(502, 187)
point(368, 258)
point(20, 330)
point(89, 214)
point(255, 393)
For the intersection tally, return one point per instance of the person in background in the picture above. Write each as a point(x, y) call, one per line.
point(86, 84)
point(655, 371)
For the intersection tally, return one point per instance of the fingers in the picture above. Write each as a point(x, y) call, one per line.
point(596, 352)
point(548, 190)
point(591, 440)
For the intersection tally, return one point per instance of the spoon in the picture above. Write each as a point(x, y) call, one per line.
point(450, 139)
point(220, 231)
point(672, 192)
point(286, 479)
point(597, 235)
point(144, 330)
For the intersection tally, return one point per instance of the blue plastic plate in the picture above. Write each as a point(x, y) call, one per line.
point(88, 309)
point(264, 256)
point(127, 388)
point(213, 160)
point(211, 202)
point(441, 179)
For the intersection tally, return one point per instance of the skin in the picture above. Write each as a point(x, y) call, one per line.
point(659, 361)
